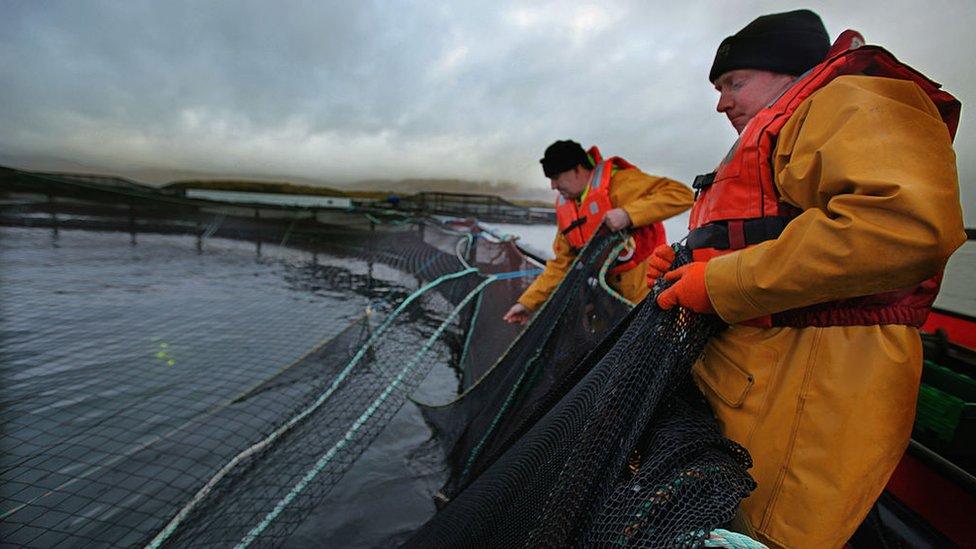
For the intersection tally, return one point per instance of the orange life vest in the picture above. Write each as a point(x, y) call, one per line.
point(738, 205)
point(578, 222)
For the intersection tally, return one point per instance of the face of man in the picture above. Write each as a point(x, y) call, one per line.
point(744, 92)
point(571, 183)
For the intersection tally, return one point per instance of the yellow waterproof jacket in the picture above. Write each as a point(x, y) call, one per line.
point(647, 199)
point(827, 412)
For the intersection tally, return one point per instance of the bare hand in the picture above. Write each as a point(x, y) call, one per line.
point(517, 314)
point(617, 219)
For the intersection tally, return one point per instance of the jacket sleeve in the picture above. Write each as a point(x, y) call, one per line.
point(648, 199)
point(871, 164)
point(540, 289)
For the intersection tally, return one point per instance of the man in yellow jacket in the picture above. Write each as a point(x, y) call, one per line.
point(632, 200)
point(820, 239)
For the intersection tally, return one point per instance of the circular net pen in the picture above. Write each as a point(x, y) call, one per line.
point(608, 444)
point(208, 407)
point(236, 359)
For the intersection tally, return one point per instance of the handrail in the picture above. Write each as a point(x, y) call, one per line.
point(943, 466)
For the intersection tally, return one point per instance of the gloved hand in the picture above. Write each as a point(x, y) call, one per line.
point(659, 263)
point(688, 289)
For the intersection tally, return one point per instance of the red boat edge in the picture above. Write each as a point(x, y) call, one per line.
point(930, 500)
point(958, 328)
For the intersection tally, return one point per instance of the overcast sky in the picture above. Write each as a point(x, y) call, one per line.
point(341, 91)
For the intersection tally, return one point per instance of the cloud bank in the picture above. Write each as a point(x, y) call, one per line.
point(343, 91)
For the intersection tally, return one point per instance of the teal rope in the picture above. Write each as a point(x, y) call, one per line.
point(603, 275)
point(477, 308)
point(174, 523)
point(518, 274)
point(326, 458)
point(404, 218)
point(470, 240)
point(516, 387)
point(509, 399)
point(426, 264)
point(474, 320)
point(731, 540)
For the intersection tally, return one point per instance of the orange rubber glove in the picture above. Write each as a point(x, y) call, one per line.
point(688, 289)
point(659, 263)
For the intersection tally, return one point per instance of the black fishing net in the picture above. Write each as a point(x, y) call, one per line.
point(629, 454)
point(540, 366)
point(206, 409)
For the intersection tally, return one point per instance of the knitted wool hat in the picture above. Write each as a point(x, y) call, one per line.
point(562, 156)
point(786, 43)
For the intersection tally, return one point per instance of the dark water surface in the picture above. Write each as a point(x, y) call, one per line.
point(99, 331)
point(94, 325)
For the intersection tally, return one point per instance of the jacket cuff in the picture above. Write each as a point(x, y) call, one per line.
point(727, 285)
point(637, 219)
point(528, 302)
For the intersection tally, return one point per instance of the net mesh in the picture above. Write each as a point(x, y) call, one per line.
point(229, 409)
point(226, 411)
point(628, 454)
point(540, 365)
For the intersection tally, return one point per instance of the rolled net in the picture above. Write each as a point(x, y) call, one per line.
point(583, 429)
point(627, 454)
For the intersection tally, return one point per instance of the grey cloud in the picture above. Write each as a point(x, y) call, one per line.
point(351, 90)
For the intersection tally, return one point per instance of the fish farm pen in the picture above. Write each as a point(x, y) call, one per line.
point(189, 453)
point(483, 207)
point(159, 390)
point(184, 372)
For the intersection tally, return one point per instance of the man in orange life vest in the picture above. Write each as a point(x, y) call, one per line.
point(595, 191)
point(820, 239)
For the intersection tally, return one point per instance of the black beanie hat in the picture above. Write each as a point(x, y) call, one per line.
point(562, 156)
point(788, 43)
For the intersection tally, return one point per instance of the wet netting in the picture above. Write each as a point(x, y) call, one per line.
point(203, 406)
point(209, 410)
point(617, 449)
point(541, 365)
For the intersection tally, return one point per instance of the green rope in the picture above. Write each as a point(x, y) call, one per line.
point(404, 218)
point(467, 338)
point(731, 540)
point(326, 458)
point(603, 275)
point(509, 399)
point(511, 345)
point(469, 240)
point(153, 440)
point(517, 386)
point(203, 492)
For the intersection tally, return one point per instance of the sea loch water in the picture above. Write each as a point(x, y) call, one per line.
point(150, 331)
